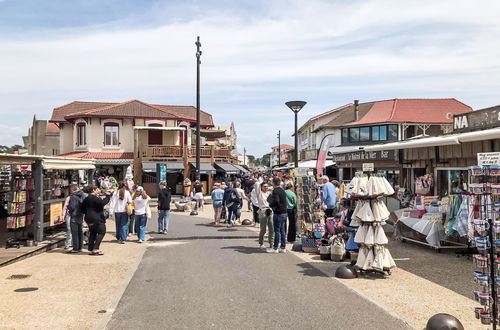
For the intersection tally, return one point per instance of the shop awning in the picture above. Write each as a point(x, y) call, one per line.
point(452, 139)
point(149, 167)
point(205, 168)
point(241, 169)
point(228, 168)
point(175, 167)
point(312, 163)
point(49, 162)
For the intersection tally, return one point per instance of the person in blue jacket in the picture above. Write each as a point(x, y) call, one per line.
point(329, 196)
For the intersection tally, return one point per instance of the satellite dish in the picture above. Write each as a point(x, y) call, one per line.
point(449, 115)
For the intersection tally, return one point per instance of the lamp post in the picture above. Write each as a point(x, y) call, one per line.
point(296, 106)
point(245, 156)
point(198, 55)
point(279, 148)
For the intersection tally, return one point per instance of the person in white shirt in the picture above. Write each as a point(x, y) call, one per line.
point(141, 203)
point(243, 197)
point(255, 206)
point(118, 208)
point(265, 213)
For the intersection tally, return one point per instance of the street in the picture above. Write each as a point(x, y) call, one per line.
point(201, 277)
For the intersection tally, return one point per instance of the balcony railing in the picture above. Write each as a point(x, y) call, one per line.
point(210, 152)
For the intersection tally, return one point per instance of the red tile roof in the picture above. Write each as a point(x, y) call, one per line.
point(283, 146)
point(100, 155)
point(52, 128)
point(432, 111)
point(132, 108)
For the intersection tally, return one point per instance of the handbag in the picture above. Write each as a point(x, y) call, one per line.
point(148, 211)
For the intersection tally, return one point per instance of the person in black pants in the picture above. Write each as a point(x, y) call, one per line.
point(76, 217)
point(93, 208)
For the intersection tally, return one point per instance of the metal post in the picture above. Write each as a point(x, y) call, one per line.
point(244, 156)
point(38, 218)
point(296, 151)
point(198, 54)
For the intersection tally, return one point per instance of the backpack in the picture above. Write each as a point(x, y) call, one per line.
point(74, 207)
point(233, 196)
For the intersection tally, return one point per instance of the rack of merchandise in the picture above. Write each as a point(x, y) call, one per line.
point(369, 215)
point(484, 233)
point(310, 213)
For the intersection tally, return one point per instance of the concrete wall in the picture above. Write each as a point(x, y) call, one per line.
point(66, 141)
point(41, 143)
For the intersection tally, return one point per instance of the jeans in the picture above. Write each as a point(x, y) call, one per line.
point(292, 224)
point(96, 234)
point(265, 221)
point(121, 219)
point(163, 220)
point(140, 226)
point(67, 244)
point(255, 213)
point(279, 221)
point(77, 236)
point(232, 213)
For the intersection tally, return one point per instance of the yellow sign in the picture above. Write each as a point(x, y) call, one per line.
point(56, 213)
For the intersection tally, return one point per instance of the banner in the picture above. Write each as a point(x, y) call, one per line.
point(56, 213)
point(326, 143)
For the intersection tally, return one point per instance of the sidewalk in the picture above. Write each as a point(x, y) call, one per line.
point(73, 291)
point(410, 297)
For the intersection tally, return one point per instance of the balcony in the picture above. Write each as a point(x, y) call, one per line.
point(208, 153)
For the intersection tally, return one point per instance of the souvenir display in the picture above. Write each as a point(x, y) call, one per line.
point(16, 199)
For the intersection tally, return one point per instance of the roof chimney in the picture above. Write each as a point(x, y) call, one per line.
point(356, 110)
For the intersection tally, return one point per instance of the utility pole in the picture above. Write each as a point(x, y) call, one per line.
point(279, 148)
point(198, 62)
point(245, 156)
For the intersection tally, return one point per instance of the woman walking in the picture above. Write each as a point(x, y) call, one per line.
point(141, 202)
point(291, 209)
point(118, 208)
point(131, 219)
point(93, 208)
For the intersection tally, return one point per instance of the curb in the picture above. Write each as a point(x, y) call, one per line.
point(40, 250)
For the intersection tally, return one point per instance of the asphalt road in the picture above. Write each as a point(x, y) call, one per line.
point(201, 277)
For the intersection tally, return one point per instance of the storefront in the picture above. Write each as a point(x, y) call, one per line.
point(32, 193)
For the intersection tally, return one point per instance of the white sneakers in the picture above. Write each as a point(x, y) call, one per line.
point(272, 251)
point(282, 250)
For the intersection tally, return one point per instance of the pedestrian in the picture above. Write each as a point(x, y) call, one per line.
point(198, 195)
point(120, 200)
point(164, 199)
point(141, 202)
point(93, 208)
point(243, 197)
point(248, 187)
point(265, 213)
point(75, 217)
point(291, 209)
point(231, 201)
point(217, 202)
point(277, 201)
point(131, 218)
point(66, 217)
point(329, 196)
point(255, 206)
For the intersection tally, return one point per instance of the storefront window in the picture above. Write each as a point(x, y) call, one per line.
point(364, 134)
point(393, 132)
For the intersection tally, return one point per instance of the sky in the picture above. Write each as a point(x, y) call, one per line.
point(257, 55)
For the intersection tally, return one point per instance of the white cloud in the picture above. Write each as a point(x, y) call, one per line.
point(324, 52)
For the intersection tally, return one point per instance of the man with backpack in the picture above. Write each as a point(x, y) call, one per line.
point(278, 203)
point(76, 217)
point(232, 202)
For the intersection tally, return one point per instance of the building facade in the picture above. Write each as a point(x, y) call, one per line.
point(42, 138)
point(280, 151)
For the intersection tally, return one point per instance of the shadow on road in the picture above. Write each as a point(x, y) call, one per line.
point(309, 270)
point(244, 249)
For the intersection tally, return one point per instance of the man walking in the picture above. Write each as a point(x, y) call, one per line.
point(291, 209)
point(329, 196)
point(164, 198)
point(277, 202)
point(231, 201)
point(76, 217)
point(265, 213)
point(217, 198)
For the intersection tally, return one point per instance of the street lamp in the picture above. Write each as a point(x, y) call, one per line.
point(279, 148)
point(296, 106)
point(198, 55)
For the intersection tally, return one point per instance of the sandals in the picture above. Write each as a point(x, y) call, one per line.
point(97, 253)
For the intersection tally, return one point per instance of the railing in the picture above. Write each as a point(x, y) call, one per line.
point(185, 151)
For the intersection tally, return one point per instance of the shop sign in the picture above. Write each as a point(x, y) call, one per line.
point(56, 213)
point(366, 155)
point(368, 167)
point(163, 173)
point(488, 158)
point(487, 118)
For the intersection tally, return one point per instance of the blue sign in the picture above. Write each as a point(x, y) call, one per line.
point(163, 173)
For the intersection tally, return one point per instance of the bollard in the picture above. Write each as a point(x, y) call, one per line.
point(444, 321)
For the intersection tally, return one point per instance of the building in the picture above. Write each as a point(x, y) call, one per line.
point(42, 139)
point(280, 151)
point(136, 133)
point(364, 124)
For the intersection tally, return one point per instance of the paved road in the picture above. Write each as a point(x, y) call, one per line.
point(200, 277)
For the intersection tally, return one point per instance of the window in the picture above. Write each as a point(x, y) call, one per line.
point(375, 133)
point(155, 137)
point(81, 134)
point(392, 132)
point(111, 134)
point(345, 135)
point(364, 134)
point(353, 134)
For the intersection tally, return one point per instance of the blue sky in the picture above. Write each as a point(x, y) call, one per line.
point(256, 56)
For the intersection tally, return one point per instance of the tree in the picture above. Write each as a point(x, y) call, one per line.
point(10, 150)
point(266, 160)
